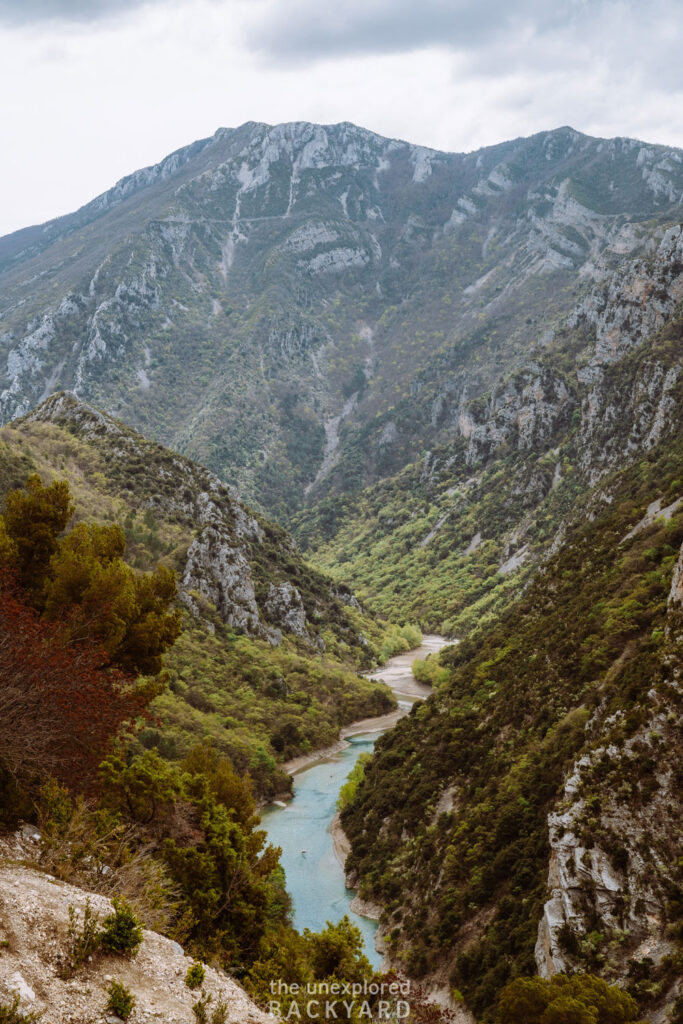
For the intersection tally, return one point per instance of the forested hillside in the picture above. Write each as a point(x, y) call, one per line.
point(546, 765)
point(157, 665)
point(266, 663)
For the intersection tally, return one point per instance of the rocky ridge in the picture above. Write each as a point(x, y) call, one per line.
point(219, 563)
point(317, 274)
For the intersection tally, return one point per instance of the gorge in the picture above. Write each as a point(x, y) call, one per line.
point(347, 388)
point(305, 829)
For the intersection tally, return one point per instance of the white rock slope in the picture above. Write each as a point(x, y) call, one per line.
point(34, 915)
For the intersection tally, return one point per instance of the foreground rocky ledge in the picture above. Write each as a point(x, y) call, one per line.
point(34, 917)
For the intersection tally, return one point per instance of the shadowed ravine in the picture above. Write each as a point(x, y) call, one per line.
point(315, 878)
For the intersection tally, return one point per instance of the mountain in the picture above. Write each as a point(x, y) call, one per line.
point(247, 672)
point(449, 538)
point(307, 309)
point(527, 818)
point(457, 378)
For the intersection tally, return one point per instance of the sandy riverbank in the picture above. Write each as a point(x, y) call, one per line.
point(342, 848)
point(398, 675)
point(379, 724)
point(342, 845)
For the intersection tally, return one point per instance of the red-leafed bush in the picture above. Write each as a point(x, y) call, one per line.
point(59, 707)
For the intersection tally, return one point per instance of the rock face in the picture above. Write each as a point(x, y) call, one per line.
point(615, 891)
point(613, 863)
point(227, 551)
point(285, 607)
point(337, 289)
point(629, 307)
point(527, 410)
point(34, 917)
point(223, 575)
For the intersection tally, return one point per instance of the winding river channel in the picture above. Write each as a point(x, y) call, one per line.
point(302, 827)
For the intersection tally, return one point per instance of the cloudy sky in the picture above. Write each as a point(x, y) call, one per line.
point(94, 89)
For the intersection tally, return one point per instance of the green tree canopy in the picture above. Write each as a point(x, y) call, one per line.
point(579, 999)
point(80, 578)
point(34, 518)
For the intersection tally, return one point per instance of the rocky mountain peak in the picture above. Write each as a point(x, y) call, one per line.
point(302, 280)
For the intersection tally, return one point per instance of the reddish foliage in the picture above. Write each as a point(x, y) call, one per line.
point(423, 1010)
point(59, 708)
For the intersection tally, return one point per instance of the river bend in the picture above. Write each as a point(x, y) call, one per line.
point(314, 872)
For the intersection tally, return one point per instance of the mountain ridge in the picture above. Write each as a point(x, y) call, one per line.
point(303, 279)
point(246, 673)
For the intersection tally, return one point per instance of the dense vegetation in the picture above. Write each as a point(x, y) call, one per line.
point(180, 841)
point(448, 542)
point(79, 627)
point(467, 883)
point(177, 843)
point(260, 704)
point(581, 999)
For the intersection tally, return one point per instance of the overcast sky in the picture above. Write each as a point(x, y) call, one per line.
point(94, 89)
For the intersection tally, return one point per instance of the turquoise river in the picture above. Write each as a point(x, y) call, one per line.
point(313, 866)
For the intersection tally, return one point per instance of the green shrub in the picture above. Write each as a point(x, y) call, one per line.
point(353, 780)
point(202, 1007)
point(579, 999)
point(121, 931)
point(121, 1000)
point(195, 975)
point(13, 1014)
point(83, 939)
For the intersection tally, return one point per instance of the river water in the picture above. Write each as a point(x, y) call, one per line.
point(315, 876)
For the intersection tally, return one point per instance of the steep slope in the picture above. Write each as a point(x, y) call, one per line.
point(34, 916)
point(451, 537)
point(247, 670)
point(305, 308)
point(528, 816)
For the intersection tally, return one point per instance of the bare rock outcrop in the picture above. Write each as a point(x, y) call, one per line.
point(285, 608)
point(221, 573)
point(34, 918)
point(614, 839)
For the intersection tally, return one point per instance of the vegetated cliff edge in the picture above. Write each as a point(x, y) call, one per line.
point(247, 672)
point(34, 922)
point(527, 818)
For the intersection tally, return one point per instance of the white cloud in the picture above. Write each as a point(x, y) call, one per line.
point(28, 12)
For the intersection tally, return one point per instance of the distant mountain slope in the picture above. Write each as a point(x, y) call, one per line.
point(451, 537)
point(247, 671)
point(305, 308)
